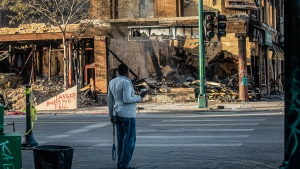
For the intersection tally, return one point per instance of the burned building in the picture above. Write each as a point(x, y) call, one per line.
point(158, 40)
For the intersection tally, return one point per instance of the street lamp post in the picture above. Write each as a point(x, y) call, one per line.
point(202, 98)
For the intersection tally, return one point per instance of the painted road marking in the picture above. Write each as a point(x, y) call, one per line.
point(197, 130)
point(179, 145)
point(81, 130)
point(213, 120)
point(190, 125)
point(228, 115)
point(178, 137)
point(88, 128)
point(195, 115)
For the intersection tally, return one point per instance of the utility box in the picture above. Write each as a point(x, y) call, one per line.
point(10, 146)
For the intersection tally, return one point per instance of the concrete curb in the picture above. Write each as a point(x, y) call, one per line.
point(189, 107)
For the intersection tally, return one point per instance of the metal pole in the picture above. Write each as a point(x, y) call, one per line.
point(292, 83)
point(202, 98)
point(70, 61)
point(28, 140)
point(243, 79)
point(1, 119)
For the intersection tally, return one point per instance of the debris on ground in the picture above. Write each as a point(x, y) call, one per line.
point(42, 90)
point(222, 84)
point(222, 80)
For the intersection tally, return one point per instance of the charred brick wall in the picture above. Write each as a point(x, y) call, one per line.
point(230, 43)
point(132, 54)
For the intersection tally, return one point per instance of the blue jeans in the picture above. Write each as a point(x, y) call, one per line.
point(126, 135)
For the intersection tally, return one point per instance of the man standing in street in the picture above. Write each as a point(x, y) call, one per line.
point(122, 112)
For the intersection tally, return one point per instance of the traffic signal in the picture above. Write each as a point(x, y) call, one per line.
point(209, 26)
point(221, 26)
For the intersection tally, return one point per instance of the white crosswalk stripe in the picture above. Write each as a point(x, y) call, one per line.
point(78, 131)
point(189, 132)
point(187, 137)
point(221, 124)
point(194, 130)
point(179, 145)
point(213, 120)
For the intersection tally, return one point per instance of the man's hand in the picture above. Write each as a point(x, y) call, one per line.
point(112, 120)
point(143, 94)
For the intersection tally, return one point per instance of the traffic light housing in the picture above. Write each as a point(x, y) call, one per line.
point(209, 26)
point(221, 26)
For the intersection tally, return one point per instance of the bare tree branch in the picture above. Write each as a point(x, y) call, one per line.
point(62, 13)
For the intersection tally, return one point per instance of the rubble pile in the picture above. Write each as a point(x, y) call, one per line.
point(224, 64)
point(12, 90)
point(16, 96)
point(222, 80)
point(221, 93)
point(9, 80)
point(88, 98)
point(42, 90)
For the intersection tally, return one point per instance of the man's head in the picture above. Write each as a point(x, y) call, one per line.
point(122, 69)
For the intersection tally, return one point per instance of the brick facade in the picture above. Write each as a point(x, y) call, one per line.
point(100, 6)
point(134, 54)
point(100, 64)
point(166, 8)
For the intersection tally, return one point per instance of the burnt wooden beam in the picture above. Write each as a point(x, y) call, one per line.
point(33, 37)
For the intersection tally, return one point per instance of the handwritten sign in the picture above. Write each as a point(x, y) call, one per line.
point(65, 100)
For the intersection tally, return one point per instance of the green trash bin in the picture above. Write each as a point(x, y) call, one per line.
point(53, 157)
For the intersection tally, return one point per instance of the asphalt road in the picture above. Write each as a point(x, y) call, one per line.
point(203, 140)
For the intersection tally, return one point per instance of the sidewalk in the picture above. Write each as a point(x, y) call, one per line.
point(182, 107)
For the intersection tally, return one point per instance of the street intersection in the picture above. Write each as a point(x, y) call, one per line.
point(191, 140)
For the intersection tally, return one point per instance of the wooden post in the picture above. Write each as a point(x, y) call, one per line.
point(49, 65)
point(70, 70)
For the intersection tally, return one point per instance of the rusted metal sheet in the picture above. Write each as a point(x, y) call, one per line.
point(241, 4)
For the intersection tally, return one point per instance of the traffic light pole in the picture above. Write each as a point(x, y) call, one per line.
point(292, 83)
point(202, 98)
